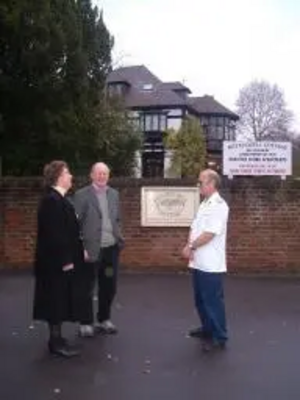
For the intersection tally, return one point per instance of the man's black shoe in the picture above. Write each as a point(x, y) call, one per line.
point(62, 349)
point(199, 333)
point(213, 346)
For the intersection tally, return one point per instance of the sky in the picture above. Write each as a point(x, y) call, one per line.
point(214, 46)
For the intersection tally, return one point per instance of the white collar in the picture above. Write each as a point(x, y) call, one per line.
point(60, 190)
point(215, 196)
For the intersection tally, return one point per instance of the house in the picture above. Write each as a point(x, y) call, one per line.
point(155, 106)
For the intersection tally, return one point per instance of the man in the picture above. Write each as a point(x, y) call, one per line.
point(98, 209)
point(206, 252)
point(59, 256)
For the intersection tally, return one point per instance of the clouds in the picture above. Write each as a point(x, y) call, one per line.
point(216, 46)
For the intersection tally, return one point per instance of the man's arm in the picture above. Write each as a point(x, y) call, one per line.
point(118, 205)
point(202, 240)
point(78, 201)
point(119, 218)
point(214, 226)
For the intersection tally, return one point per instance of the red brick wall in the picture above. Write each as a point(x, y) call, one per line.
point(263, 229)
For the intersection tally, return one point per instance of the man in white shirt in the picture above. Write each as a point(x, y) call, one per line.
point(206, 252)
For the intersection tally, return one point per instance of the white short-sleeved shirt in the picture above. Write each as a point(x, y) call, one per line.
point(212, 217)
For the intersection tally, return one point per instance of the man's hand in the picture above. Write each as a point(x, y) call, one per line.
point(86, 256)
point(68, 267)
point(187, 253)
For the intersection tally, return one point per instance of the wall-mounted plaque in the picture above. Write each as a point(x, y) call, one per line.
point(169, 206)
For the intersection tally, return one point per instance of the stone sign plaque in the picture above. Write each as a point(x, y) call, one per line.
point(169, 206)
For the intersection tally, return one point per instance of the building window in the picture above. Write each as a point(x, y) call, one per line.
point(230, 134)
point(213, 121)
point(116, 89)
point(175, 113)
point(148, 122)
point(153, 122)
point(147, 87)
point(220, 121)
point(229, 129)
point(220, 132)
point(204, 121)
point(174, 123)
point(163, 122)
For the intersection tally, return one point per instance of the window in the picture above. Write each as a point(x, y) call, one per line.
point(229, 133)
point(116, 89)
point(163, 122)
point(175, 113)
point(213, 121)
point(153, 122)
point(148, 87)
point(214, 145)
point(148, 122)
point(220, 132)
point(230, 129)
point(204, 121)
point(174, 123)
point(220, 121)
point(216, 132)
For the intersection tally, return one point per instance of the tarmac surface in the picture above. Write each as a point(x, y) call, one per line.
point(151, 358)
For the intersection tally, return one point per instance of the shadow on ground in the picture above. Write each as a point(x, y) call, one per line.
point(151, 358)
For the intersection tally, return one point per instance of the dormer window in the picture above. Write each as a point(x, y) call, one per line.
point(117, 89)
point(147, 87)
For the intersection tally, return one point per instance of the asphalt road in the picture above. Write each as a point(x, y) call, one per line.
point(151, 358)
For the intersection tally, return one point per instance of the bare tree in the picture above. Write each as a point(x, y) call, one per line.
point(263, 112)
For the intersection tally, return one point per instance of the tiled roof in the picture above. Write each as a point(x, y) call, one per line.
point(156, 97)
point(133, 75)
point(176, 86)
point(208, 105)
point(145, 90)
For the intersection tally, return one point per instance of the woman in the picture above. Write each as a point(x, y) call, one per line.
point(59, 254)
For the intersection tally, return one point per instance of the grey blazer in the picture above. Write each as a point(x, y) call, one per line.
point(90, 219)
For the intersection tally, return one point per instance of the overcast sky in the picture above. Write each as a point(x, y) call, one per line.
point(214, 46)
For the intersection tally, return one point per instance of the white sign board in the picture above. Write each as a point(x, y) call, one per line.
point(169, 206)
point(257, 158)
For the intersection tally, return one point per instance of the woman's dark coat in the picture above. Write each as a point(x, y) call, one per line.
point(57, 293)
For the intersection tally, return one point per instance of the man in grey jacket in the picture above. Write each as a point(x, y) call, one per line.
point(98, 210)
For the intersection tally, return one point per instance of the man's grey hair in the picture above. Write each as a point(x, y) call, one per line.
point(214, 177)
point(101, 165)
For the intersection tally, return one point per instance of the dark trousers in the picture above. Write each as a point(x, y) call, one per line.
point(87, 284)
point(105, 271)
point(209, 301)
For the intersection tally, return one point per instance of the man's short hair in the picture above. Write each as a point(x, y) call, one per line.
point(53, 171)
point(101, 164)
point(214, 177)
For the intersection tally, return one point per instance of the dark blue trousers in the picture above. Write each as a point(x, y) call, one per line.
point(209, 301)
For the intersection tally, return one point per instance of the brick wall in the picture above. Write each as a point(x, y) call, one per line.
point(263, 230)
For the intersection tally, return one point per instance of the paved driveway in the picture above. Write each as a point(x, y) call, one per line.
point(151, 358)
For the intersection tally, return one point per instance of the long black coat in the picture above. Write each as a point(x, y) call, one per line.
point(57, 293)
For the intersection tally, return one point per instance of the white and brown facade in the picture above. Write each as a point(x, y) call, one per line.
point(155, 106)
